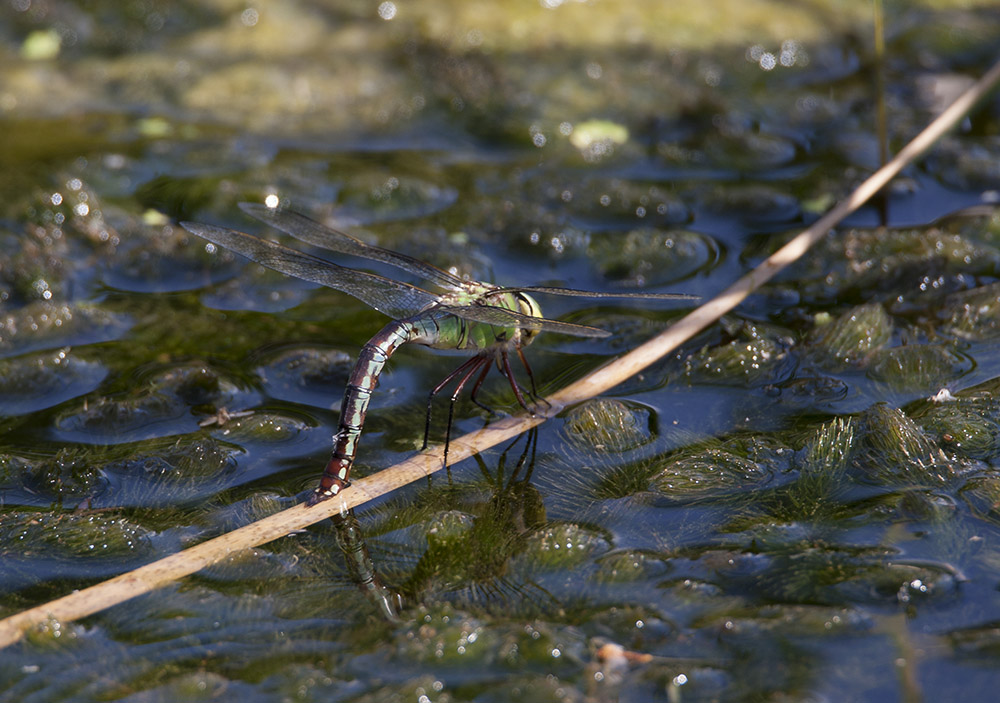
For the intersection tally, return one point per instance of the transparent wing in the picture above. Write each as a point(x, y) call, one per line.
point(572, 292)
point(501, 317)
point(393, 298)
point(311, 232)
point(319, 235)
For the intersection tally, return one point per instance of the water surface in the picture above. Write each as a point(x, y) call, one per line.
point(789, 507)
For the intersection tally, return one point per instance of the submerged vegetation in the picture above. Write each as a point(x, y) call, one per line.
point(801, 503)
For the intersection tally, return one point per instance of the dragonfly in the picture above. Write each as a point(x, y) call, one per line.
point(485, 320)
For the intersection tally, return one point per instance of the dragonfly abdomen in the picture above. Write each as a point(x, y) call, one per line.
point(354, 407)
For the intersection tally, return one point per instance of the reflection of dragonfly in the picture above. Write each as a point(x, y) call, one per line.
point(481, 318)
point(470, 551)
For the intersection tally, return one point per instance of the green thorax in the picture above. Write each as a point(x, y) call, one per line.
point(437, 328)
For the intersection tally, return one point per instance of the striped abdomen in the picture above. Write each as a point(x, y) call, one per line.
point(360, 386)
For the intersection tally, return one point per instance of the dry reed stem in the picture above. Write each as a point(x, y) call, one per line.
point(159, 573)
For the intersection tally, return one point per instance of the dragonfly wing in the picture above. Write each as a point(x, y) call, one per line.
point(393, 298)
point(596, 294)
point(311, 232)
point(502, 317)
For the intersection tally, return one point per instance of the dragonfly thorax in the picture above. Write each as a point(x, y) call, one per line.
point(440, 328)
point(515, 301)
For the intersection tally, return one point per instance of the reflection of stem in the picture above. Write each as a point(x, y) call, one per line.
point(907, 661)
point(359, 562)
point(674, 691)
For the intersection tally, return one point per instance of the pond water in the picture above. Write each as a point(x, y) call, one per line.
point(803, 503)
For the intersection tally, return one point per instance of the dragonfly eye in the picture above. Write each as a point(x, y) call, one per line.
point(530, 307)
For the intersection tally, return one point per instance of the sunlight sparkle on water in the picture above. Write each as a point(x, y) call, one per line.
point(791, 54)
point(387, 10)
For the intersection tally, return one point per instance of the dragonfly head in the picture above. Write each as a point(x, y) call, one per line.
point(528, 306)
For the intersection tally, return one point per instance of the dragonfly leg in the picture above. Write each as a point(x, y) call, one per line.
point(531, 378)
point(505, 360)
point(477, 386)
point(474, 363)
point(479, 361)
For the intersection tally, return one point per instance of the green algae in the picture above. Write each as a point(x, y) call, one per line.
point(851, 336)
point(608, 425)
